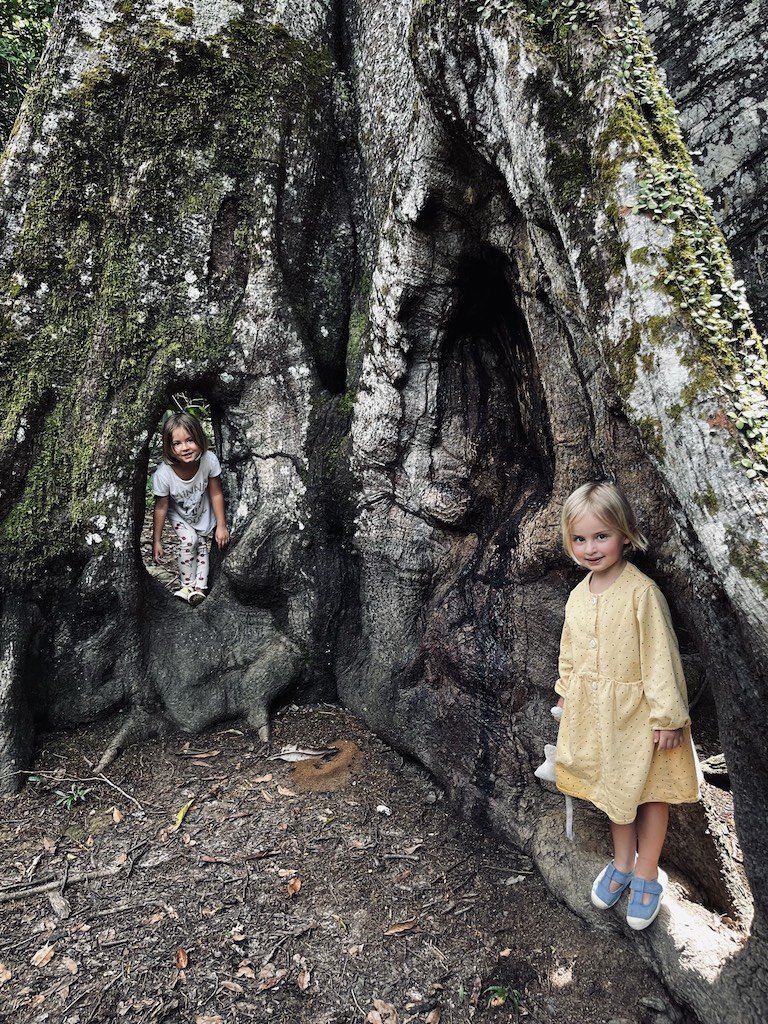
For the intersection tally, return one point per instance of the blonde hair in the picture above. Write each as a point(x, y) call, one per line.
point(609, 504)
point(193, 427)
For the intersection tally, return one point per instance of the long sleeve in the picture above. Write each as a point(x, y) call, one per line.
point(661, 668)
point(565, 661)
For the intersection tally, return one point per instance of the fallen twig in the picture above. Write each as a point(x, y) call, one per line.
point(59, 883)
point(141, 849)
point(101, 777)
point(300, 930)
point(240, 859)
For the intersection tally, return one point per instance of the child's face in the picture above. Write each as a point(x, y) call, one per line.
point(597, 545)
point(184, 447)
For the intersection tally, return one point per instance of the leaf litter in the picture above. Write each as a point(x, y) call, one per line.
point(260, 894)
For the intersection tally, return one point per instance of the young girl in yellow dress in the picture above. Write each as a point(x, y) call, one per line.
point(624, 741)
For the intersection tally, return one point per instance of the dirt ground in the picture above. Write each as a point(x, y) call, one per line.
point(200, 881)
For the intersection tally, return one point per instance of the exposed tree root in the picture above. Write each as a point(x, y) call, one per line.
point(141, 725)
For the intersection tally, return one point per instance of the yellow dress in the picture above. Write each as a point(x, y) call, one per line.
point(621, 677)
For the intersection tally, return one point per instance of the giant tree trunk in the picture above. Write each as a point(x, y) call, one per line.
point(397, 247)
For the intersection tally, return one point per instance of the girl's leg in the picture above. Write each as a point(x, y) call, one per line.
point(652, 821)
point(187, 541)
point(624, 848)
point(201, 568)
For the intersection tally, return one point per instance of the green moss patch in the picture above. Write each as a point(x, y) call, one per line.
point(749, 558)
point(113, 295)
point(642, 128)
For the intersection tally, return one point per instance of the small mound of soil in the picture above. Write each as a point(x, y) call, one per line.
point(318, 775)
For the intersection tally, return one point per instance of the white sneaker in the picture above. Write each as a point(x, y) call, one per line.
point(183, 592)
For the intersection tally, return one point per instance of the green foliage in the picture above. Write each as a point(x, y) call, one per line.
point(74, 795)
point(552, 19)
point(24, 26)
point(501, 995)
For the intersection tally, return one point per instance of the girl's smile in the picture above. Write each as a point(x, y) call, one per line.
point(184, 446)
point(598, 546)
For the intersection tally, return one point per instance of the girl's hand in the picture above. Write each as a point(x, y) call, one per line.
point(667, 739)
point(157, 551)
point(561, 702)
point(222, 536)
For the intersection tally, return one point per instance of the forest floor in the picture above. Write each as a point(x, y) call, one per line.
point(198, 881)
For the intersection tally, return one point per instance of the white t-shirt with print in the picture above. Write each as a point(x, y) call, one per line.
point(189, 501)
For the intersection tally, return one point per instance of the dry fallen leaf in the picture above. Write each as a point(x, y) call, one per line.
point(398, 927)
point(208, 1018)
point(245, 970)
point(265, 796)
point(474, 996)
point(374, 1017)
point(263, 778)
point(434, 1015)
point(285, 792)
point(182, 959)
point(70, 964)
point(386, 1012)
point(232, 986)
point(286, 872)
point(121, 858)
point(5, 974)
point(304, 979)
point(293, 887)
point(117, 815)
point(183, 813)
point(293, 753)
point(238, 935)
point(48, 845)
point(272, 982)
point(43, 956)
point(60, 905)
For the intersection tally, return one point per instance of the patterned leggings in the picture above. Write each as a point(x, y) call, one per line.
point(193, 556)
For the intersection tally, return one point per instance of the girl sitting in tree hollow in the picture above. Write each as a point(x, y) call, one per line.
point(187, 489)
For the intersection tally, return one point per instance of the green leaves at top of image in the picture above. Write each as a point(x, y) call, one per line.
point(24, 27)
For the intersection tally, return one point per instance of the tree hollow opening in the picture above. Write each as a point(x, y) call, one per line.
point(176, 559)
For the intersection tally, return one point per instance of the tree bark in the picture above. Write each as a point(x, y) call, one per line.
point(407, 254)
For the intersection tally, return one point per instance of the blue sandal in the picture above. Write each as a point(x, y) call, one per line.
point(603, 896)
point(639, 914)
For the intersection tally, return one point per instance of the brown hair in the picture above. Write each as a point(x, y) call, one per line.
point(193, 427)
point(609, 504)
